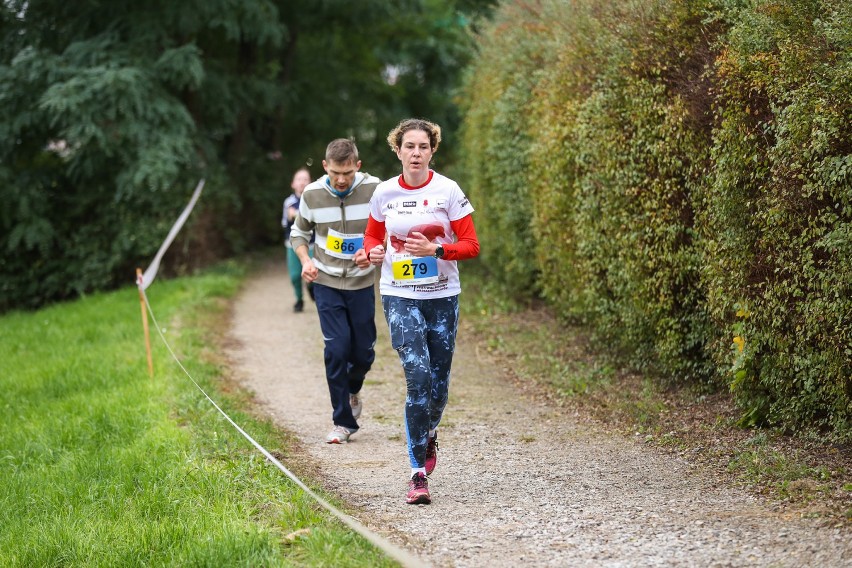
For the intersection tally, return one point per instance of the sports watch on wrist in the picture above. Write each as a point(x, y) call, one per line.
point(439, 252)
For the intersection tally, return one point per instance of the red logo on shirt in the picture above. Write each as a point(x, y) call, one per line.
point(425, 202)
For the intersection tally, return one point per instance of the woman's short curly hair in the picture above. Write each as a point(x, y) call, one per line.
point(430, 128)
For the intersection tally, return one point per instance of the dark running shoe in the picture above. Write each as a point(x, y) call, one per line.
point(418, 490)
point(432, 454)
point(299, 306)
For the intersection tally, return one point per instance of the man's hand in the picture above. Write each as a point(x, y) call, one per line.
point(361, 259)
point(309, 271)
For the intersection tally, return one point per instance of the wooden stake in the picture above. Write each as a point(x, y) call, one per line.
point(145, 324)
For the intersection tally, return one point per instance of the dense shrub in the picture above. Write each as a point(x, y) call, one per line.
point(638, 169)
point(579, 54)
point(614, 166)
point(497, 140)
point(779, 251)
point(685, 183)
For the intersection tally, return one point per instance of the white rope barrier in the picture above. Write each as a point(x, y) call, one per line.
point(143, 281)
point(398, 554)
point(151, 272)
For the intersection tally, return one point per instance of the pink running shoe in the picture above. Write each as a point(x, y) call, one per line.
point(418, 490)
point(432, 454)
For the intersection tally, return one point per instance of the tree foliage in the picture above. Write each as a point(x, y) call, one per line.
point(111, 112)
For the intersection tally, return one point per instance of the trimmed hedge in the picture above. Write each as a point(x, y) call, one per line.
point(500, 158)
point(779, 252)
point(681, 171)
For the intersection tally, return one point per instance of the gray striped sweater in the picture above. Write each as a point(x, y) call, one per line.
point(320, 211)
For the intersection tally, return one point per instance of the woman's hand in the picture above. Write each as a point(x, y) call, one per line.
point(419, 244)
point(377, 254)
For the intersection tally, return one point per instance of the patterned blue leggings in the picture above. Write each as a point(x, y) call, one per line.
point(423, 332)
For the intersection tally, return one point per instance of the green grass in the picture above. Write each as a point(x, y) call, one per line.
point(104, 466)
point(523, 332)
point(759, 463)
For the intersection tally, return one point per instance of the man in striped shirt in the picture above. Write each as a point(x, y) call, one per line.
point(335, 209)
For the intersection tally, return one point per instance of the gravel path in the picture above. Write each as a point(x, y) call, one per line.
point(518, 482)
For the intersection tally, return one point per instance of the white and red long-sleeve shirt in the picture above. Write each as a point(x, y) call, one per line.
point(439, 210)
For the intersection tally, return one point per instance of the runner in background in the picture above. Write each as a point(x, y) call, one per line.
point(334, 210)
point(301, 178)
point(428, 224)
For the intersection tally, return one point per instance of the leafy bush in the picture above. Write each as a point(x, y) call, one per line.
point(778, 217)
point(496, 141)
point(685, 184)
point(614, 167)
point(580, 54)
